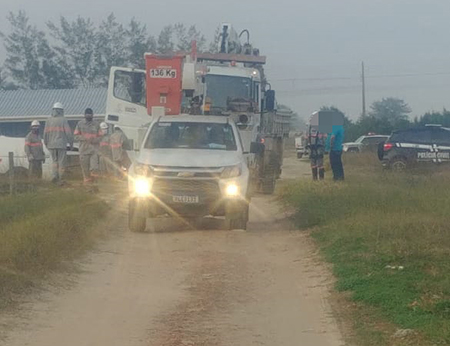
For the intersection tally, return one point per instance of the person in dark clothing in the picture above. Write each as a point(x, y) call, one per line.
point(336, 140)
point(316, 146)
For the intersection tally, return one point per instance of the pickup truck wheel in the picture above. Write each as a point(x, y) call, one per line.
point(237, 220)
point(137, 220)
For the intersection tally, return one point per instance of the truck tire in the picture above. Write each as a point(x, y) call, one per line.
point(268, 186)
point(237, 220)
point(398, 164)
point(271, 173)
point(137, 221)
point(268, 182)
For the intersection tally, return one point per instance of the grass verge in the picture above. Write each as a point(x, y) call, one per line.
point(388, 237)
point(39, 231)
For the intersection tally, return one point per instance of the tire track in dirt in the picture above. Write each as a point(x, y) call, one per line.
point(215, 288)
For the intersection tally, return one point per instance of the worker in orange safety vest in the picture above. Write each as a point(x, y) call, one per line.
point(105, 152)
point(35, 151)
point(57, 135)
point(87, 134)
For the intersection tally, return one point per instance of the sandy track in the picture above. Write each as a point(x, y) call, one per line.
point(181, 287)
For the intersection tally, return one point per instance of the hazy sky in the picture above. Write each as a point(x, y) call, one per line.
point(314, 47)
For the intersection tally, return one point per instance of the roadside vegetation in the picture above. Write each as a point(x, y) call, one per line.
point(39, 232)
point(388, 238)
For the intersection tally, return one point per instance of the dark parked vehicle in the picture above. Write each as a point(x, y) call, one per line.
point(428, 145)
point(364, 143)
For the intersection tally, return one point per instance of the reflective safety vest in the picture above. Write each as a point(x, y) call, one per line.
point(33, 147)
point(57, 133)
point(117, 141)
point(105, 147)
point(87, 134)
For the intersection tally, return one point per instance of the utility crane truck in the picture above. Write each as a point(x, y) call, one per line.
point(228, 85)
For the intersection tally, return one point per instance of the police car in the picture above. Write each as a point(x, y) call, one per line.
point(428, 144)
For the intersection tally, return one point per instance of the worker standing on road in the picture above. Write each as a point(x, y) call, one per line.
point(87, 134)
point(57, 135)
point(336, 140)
point(35, 151)
point(105, 152)
point(119, 145)
point(316, 146)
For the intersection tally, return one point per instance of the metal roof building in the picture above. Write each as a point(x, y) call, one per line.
point(16, 105)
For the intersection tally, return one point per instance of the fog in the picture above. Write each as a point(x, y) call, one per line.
point(314, 48)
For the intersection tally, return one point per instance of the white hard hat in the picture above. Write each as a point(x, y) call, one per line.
point(58, 105)
point(35, 123)
point(103, 125)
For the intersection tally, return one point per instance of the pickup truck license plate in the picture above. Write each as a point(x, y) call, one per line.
point(186, 199)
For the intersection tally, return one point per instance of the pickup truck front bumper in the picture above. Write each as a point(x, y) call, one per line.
point(191, 198)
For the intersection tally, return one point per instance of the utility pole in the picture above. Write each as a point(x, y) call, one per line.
point(363, 79)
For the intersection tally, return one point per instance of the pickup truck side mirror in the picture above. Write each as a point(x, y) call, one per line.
point(257, 148)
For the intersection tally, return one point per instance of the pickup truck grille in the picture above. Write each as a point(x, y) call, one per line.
point(207, 190)
point(170, 174)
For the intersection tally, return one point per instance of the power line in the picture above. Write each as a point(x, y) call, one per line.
point(337, 90)
point(366, 77)
point(311, 79)
point(411, 75)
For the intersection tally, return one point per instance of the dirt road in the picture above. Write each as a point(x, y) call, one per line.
point(181, 287)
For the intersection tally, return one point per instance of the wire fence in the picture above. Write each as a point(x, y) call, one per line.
point(15, 180)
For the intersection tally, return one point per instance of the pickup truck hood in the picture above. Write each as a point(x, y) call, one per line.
point(351, 144)
point(189, 157)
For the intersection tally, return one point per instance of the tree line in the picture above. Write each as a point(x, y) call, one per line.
point(387, 115)
point(78, 53)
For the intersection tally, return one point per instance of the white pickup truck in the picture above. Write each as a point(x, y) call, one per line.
point(190, 167)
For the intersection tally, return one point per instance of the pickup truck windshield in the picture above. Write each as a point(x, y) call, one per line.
point(165, 135)
point(219, 89)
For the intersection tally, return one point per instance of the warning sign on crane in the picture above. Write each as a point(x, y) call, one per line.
point(164, 83)
point(163, 73)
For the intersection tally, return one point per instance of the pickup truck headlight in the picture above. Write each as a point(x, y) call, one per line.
point(232, 190)
point(231, 172)
point(142, 186)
